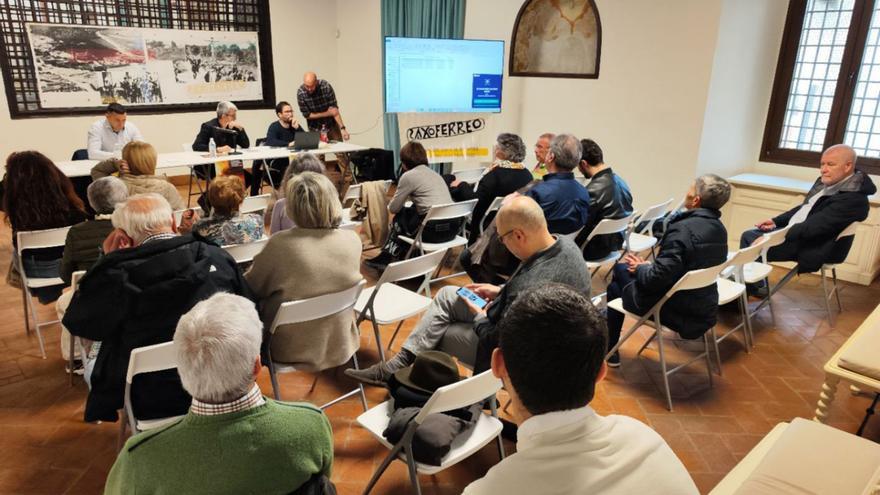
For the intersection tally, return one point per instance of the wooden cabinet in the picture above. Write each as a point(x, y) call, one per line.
point(758, 197)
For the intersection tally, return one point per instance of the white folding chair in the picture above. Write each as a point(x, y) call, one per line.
point(493, 207)
point(254, 204)
point(450, 211)
point(835, 292)
point(471, 175)
point(353, 192)
point(694, 279)
point(386, 302)
point(148, 359)
point(37, 239)
point(311, 309)
point(644, 239)
point(606, 227)
point(245, 252)
point(464, 393)
point(732, 290)
point(757, 271)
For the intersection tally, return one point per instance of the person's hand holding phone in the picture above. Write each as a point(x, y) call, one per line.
point(475, 303)
point(485, 291)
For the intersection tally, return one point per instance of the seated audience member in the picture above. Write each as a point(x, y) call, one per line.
point(425, 188)
point(109, 135)
point(294, 265)
point(838, 198)
point(542, 146)
point(545, 258)
point(82, 248)
point(506, 175)
point(550, 358)
point(609, 198)
point(226, 225)
point(133, 296)
point(302, 162)
point(232, 440)
point(564, 200)
point(226, 131)
point(138, 170)
point(280, 134)
point(694, 239)
point(37, 196)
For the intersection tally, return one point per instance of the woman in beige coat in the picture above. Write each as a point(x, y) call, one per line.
point(138, 171)
point(313, 259)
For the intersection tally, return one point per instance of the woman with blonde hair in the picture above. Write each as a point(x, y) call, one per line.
point(319, 258)
point(138, 170)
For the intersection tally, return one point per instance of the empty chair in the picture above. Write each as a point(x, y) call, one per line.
point(832, 266)
point(758, 271)
point(643, 239)
point(733, 290)
point(694, 279)
point(447, 398)
point(149, 359)
point(471, 175)
point(312, 309)
point(386, 303)
point(488, 216)
point(353, 192)
point(244, 253)
point(37, 239)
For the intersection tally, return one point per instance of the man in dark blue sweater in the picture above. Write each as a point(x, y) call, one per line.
point(565, 202)
point(280, 134)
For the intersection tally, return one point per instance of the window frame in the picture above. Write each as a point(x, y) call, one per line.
point(843, 94)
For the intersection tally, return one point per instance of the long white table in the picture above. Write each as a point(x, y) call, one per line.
point(83, 168)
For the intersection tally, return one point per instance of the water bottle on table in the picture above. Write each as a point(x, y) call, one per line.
point(324, 134)
point(212, 147)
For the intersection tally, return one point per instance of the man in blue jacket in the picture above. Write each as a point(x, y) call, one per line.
point(564, 200)
point(695, 239)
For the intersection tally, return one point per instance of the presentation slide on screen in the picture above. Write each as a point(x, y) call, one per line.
point(427, 75)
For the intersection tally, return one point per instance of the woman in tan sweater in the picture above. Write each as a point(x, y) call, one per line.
point(138, 171)
point(313, 259)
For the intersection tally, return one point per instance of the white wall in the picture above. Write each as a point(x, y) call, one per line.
point(303, 38)
point(749, 36)
point(646, 109)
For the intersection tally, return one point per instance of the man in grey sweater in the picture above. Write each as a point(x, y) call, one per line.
point(545, 258)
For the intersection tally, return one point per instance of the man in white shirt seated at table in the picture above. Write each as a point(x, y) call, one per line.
point(109, 135)
point(550, 357)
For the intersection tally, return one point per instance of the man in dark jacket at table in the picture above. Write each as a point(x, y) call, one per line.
point(838, 198)
point(133, 296)
point(609, 198)
point(694, 239)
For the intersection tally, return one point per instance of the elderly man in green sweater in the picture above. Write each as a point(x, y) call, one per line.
point(233, 440)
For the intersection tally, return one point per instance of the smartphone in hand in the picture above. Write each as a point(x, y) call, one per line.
point(473, 298)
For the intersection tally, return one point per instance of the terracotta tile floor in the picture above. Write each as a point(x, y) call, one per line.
point(46, 448)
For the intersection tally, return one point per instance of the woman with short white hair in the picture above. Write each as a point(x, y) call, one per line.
point(314, 259)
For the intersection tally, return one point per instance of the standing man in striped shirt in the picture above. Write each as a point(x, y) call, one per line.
point(317, 103)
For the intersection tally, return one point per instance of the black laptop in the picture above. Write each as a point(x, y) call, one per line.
point(306, 140)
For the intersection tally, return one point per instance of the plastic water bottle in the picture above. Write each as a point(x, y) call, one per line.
point(324, 138)
point(212, 147)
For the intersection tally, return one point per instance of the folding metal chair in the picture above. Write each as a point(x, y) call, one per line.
point(450, 211)
point(694, 279)
point(606, 227)
point(312, 309)
point(245, 252)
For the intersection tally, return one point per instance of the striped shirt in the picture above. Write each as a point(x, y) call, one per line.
point(250, 400)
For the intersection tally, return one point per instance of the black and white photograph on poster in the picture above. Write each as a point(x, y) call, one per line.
point(90, 66)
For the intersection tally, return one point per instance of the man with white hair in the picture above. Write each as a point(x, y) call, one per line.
point(233, 439)
point(838, 198)
point(226, 131)
point(133, 296)
point(456, 326)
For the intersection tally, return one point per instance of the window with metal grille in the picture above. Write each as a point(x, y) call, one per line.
point(17, 65)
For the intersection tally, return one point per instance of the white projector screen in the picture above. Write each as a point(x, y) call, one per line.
point(431, 75)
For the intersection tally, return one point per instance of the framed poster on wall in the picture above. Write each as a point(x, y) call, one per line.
point(72, 57)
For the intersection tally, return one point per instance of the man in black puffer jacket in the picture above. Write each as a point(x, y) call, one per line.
point(694, 239)
point(134, 295)
point(838, 198)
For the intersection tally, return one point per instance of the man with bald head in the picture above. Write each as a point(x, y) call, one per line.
point(455, 325)
point(147, 277)
point(838, 198)
point(317, 103)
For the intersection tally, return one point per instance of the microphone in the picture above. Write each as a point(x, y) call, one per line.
point(223, 129)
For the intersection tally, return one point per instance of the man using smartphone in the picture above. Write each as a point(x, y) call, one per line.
point(455, 319)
